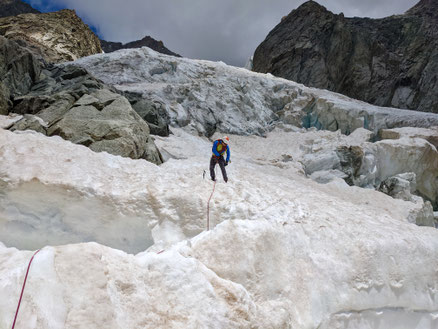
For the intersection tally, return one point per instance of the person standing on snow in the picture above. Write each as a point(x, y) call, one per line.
point(220, 146)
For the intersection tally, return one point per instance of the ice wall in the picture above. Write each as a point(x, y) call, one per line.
point(209, 96)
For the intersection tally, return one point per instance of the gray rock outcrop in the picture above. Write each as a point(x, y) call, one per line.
point(400, 186)
point(53, 37)
point(105, 121)
point(74, 105)
point(147, 41)
point(386, 62)
point(15, 7)
point(69, 102)
point(403, 186)
point(153, 112)
point(19, 70)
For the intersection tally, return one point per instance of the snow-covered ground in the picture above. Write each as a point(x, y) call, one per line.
point(283, 252)
point(125, 242)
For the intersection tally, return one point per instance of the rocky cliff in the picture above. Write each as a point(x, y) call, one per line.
point(388, 62)
point(55, 37)
point(19, 70)
point(15, 7)
point(147, 41)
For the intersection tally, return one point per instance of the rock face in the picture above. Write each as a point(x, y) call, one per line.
point(15, 7)
point(147, 41)
point(19, 70)
point(153, 112)
point(387, 62)
point(54, 37)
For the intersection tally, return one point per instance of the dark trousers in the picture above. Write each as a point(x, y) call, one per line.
point(214, 160)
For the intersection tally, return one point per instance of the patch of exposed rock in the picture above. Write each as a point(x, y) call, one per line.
point(72, 104)
point(15, 7)
point(386, 62)
point(19, 71)
point(404, 186)
point(69, 102)
point(147, 41)
point(54, 37)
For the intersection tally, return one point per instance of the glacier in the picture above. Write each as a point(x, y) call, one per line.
point(124, 242)
point(283, 252)
point(206, 96)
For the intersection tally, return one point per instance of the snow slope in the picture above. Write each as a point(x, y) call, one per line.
point(124, 241)
point(69, 194)
point(284, 251)
point(209, 96)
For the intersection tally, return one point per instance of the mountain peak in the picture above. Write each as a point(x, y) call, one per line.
point(425, 8)
point(307, 9)
point(147, 41)
point(311, 6)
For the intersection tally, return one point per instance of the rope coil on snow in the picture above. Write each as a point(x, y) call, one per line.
point(22, 289)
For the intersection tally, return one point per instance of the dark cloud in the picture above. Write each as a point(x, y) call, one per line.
point(226, 30)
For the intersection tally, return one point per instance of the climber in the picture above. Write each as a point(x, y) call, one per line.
point(220, 146)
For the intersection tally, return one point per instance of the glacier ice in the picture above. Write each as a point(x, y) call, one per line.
point(207, 96)
point(124, 241)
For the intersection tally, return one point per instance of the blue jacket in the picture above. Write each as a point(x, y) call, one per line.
point(221, 151)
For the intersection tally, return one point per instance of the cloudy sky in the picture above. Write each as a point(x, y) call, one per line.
point(218, 30)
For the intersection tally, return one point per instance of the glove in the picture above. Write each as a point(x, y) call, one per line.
point(226, 163)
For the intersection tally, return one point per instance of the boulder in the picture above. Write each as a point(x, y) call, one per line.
point(105, 121)
point(403, 186)
point(30, 122)
point(399, 186)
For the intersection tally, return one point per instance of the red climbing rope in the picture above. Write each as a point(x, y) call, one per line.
point(22, 289)
point(208, 207)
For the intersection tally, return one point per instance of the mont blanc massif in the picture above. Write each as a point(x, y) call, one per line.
point(108, 214)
